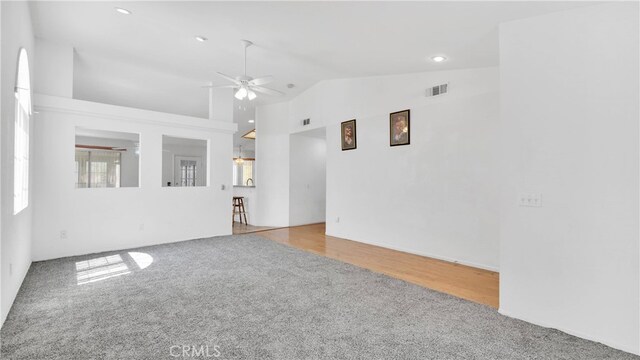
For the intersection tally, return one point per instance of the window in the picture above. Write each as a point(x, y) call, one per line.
point(21, 135)
point(98, 168)
point(243, 172)
point(188, 172)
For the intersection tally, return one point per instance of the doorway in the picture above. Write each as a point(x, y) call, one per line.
point(308, 177)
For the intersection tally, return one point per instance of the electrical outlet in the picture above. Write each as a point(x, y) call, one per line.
point(530, 199)
point(63, 234)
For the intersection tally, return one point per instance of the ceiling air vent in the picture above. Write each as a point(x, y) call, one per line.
point(306, 122)
point(438, 90)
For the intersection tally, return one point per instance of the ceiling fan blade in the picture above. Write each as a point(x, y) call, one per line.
point(267, 91)
point(229, 78)
point(261, 80)
point(219, 86)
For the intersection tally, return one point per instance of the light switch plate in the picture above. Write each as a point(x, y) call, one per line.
point(530, 199)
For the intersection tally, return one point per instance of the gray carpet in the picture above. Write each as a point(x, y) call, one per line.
point(245, 297)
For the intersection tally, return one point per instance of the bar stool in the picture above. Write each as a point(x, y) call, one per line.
point(238, 204)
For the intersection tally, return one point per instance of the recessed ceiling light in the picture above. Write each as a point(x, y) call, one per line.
point(201, 38)
point(291, 86)
point(438, 58)
point(123, 11)
point(251, 121)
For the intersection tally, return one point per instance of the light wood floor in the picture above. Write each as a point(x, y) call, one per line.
point(477, 285)
point(247, 229)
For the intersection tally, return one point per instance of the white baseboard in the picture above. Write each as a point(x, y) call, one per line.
point(425, 254)
point(572, 332)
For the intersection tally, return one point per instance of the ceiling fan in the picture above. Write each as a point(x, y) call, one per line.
point(246, 85)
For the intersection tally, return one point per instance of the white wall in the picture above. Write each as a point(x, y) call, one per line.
point(15, 248)
point(569, 111)
point(54, 66)
point(307, 179)
point(2, 88)
point(140, 87)
point(272, 166)
point(437, 196)
point(118, 218)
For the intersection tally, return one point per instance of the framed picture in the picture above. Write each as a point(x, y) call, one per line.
point(348, 132)
point(399, 128)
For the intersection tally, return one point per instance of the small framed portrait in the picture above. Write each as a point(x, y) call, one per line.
point(348, 132)
point(399, 128)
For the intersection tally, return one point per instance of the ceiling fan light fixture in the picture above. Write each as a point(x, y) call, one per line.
point(241, 93)
point(247, 86)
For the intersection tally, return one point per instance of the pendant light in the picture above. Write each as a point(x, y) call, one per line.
point(239, 160)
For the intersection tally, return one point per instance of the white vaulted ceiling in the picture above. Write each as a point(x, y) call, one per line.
point(150, 59)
